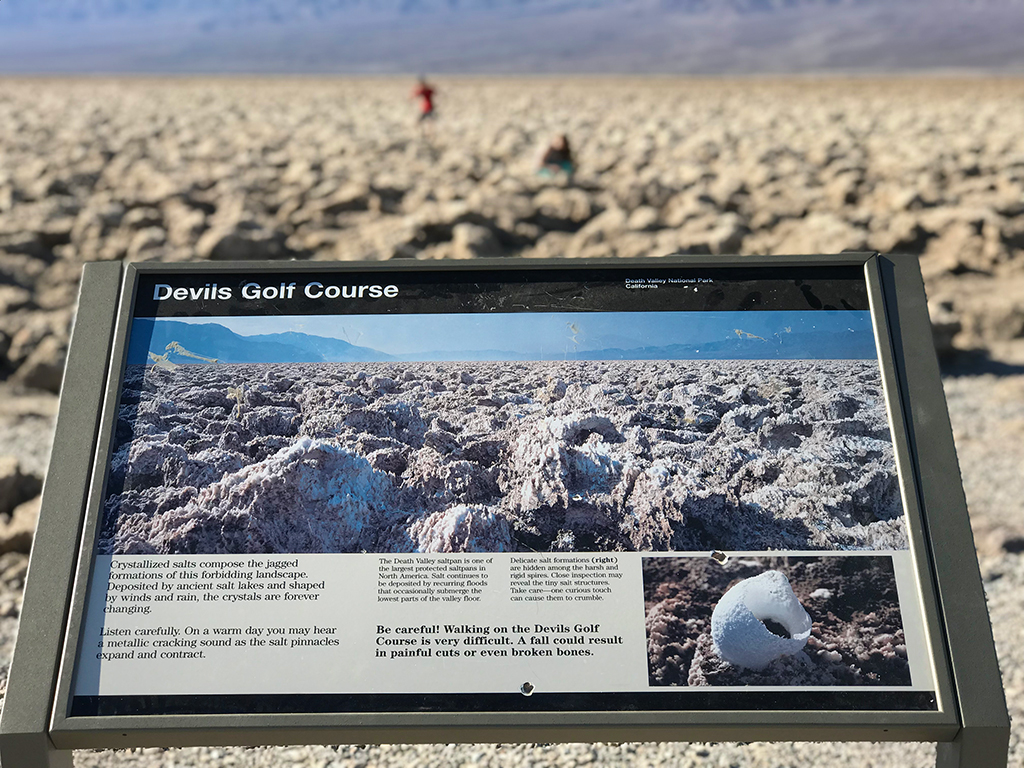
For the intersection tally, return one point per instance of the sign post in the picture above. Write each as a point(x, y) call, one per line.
point(392, 503)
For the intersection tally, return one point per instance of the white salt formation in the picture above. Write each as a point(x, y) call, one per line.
point(738, 626)
point(395, 457)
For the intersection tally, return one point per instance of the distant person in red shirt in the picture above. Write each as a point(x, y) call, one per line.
point(425, 93)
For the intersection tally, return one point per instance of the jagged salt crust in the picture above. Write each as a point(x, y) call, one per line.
point(462, 529)
point(513, 456)
point(737, 623)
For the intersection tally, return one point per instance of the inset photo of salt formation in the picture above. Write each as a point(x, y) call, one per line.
point(774, 621)
point(561, 453)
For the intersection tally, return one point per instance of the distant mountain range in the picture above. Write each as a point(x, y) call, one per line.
point(211, 340)
point(510, 36)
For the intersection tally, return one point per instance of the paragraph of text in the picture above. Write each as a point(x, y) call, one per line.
point(139, 586)
point(419, 579)
point(472, 641)
point(562, 579)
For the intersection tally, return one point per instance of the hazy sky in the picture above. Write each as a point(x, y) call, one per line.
point(509, 36)
point(547, 335)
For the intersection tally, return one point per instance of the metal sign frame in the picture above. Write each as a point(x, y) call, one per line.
point(970, 723)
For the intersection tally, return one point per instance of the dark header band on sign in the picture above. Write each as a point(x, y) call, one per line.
point(587, 290)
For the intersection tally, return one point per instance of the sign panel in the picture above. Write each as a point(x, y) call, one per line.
point(662, 488)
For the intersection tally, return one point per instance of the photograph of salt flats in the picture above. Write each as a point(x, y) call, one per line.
point(503, 432)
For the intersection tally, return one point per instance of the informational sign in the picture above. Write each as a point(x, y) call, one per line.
point(656, 488)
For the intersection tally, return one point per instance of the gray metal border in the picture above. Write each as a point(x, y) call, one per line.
point(983, 741)
point(947, 569)
point(96, 488)
point(30, 687)
point(899, 407)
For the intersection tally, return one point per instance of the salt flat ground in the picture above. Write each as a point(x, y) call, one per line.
point(228, 168)
point(497, 457)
